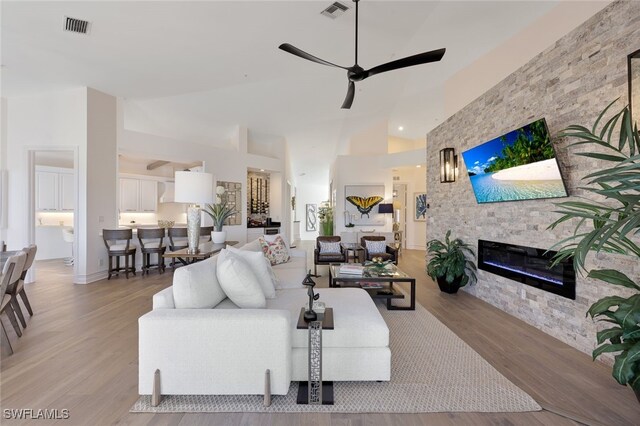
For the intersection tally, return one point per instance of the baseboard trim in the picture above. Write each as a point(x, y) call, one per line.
point(90, 278)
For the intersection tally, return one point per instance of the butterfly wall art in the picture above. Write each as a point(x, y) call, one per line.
point(364, 205)
point(361, 202)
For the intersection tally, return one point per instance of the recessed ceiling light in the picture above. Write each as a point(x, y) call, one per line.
point(400, 128)
point(418, 166)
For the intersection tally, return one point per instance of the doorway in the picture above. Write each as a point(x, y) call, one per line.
point(52, 214)
point(400, 213)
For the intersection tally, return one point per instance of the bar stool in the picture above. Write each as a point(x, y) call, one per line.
point(117, 243)
point(151, 243)
point(177, 241)
point(205, 234)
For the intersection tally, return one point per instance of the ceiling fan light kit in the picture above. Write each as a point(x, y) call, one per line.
point(356, 72)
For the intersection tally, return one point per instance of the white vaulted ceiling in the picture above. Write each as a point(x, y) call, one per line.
point(195, 70)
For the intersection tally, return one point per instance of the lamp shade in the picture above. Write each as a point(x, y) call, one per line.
point(194, 187)
point(385, 208)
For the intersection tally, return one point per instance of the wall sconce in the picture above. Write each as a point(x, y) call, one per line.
point(633, 65)
point(448, 165)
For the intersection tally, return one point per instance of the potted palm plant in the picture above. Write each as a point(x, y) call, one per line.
point(219, 213)
point(449, 264)
point(610, 224)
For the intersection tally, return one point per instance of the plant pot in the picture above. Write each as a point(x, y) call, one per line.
point(449, 288)
point(218, 237)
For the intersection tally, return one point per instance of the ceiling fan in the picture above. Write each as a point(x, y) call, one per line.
point(357, 73)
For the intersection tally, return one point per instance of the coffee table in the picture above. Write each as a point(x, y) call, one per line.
point(207, 250)
point(384, 280)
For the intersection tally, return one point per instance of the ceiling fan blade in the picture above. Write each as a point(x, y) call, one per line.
point(304, 55)
point(348, 100)
point(409, 61)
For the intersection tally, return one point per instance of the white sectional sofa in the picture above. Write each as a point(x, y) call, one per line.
point(226, 350)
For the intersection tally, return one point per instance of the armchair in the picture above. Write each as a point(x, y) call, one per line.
point(327, 258)
point(391, 253)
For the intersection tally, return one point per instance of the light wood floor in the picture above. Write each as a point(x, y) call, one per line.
point(79, 352)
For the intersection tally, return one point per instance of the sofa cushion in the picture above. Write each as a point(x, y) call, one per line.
point(331, 257)
point(238, 281)
point(293, 263)
point(226, 304)
point(277, 251)
point(261, 267)
point(357, 321)
point(289, 277)
point(196, 286)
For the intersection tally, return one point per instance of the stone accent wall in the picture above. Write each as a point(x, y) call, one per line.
point(569, 83)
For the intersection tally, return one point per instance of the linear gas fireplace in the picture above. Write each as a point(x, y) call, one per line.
point(528, 265)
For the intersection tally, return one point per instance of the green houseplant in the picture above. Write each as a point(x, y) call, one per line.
point(449, 264)
point(609, 221)
point(219, 213)
point(325, 216)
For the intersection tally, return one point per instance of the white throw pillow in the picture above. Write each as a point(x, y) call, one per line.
point(376, 247)
point(239, 282)
point(261, 267)
point(329, 247)
point(196, 286)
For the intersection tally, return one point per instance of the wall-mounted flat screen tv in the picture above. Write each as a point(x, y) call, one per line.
point(520, 165)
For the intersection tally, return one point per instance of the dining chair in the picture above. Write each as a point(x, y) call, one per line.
point(151, 242)
point(177, 241)
point(117, 243)
point(11, 273)
point(20, 291)
point(17, 289)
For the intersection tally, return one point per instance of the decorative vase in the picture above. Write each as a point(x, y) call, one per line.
point(449, 288)
point(218, 237)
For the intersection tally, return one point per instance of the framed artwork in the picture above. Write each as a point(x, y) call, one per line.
point(312, 217)
point(230, 193)
point(420, 206)
point(361, 201)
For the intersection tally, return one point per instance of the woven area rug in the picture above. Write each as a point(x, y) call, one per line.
point(432, 370)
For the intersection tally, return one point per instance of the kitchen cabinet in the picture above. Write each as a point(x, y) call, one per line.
point(148, 195)
point(54, 189)
point(138, 195)
point(65, 186)
point(46, 191)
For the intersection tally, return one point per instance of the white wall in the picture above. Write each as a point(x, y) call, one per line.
point(102, 180)
point(309, 193)
point(56, 120)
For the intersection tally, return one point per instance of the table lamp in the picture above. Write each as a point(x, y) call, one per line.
point(195, 188)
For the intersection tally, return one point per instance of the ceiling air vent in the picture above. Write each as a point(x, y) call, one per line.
point(76, 25)
point(335, 10)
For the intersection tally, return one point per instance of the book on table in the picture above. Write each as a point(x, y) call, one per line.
point(351, 269)
point(370, 285)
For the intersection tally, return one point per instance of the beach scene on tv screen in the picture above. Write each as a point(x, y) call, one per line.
point(520, 165)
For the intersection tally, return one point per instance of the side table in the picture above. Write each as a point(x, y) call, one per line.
point(315, 391)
